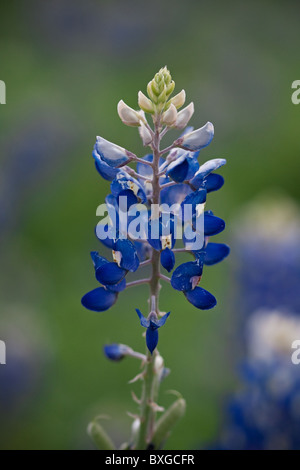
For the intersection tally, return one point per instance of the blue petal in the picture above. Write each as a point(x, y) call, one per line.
point(213, 182)
point(99, 299)
point(174, 194)
point(110, 233)
point(114, 352)
point(187, 130)
point(195, 198)
point(193, 165)
point(124, 182)
point(106, 171)
point(110, 273)
point(145, 170)
point(212, 224)
point(162, 320)
point(201, 298)
point(183, 168)
point(98, 260)
point(206, 169)
point(131, 199)
point(129, 259)
point(117, 287)
point(178, 169)
point(154, 234)
point(144, 322)
point(162, 227)
point(198, 139)
point(151, 339)
point(143, 249)
point(183, 275)
point(215, 252)
point(167, 259)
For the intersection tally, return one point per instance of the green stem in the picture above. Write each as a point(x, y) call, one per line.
point(150, 387)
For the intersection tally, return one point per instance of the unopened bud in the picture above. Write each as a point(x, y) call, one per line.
point(128, 116)
point(184, 116)
point(159, 89)
point(145, 135)
point(179, 99)
point(169, 117)
point(144, 103)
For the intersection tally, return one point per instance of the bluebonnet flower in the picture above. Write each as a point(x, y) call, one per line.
point(115, 352)
point(149, 207)
point(268, 232)
point(152, 323)
point(171, 177)
point(264, 414)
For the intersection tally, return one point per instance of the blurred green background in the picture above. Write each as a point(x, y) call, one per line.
point(66, 64)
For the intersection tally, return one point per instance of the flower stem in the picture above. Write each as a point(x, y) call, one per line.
point(150, 386)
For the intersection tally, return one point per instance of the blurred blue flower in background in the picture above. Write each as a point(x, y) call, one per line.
point(264, 412)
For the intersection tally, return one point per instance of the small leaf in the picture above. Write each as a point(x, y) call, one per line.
point(167, 421)
point(100, 437)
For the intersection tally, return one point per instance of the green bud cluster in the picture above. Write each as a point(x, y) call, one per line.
point(160, 88)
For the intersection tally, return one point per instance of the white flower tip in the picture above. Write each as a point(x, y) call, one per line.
point(145, 135)
point(144, 103)
point(209, 127)
point(128, 116)
point(169, 117)
point(179, 99)
point(184, 116)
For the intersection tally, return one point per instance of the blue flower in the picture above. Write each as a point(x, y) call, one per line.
point(161, 236)
point(205, 170)
point(111, 274)
point(213, 182)
point(174, 194)
point(111, 154)
point(184, 167)
point(152, 323)
point(115, 352)
point(215, 252)
point(105, 170)
point(107, 272)
point(126, 185)
point(99, 299)
point(198, 139)
point(201, 298)
point(212, 224)
point(187, 276)
point(167, 259)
